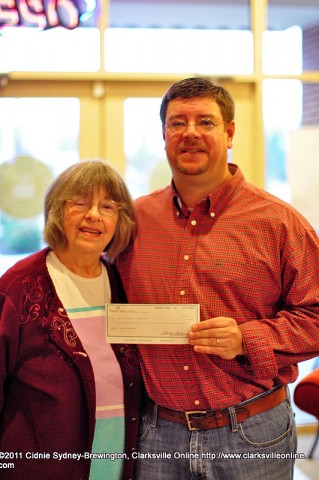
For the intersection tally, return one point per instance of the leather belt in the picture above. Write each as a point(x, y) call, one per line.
point(206, 419)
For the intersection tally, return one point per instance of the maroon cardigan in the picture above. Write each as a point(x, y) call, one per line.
point(47, 390)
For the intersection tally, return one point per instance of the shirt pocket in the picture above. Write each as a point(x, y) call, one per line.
point(228, 287)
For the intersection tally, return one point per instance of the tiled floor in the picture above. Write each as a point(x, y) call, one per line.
point(307, 469)
point(299, 475)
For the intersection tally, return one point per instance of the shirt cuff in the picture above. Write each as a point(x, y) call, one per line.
point(259, 353)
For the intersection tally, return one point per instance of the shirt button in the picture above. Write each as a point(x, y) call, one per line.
point(182, 292)
point(133, 419)
point(212, 214)
point(197, 402)
point(186, 367)
point(122, 350)
point(177, 213)
point(186, 257)
point(193, 222)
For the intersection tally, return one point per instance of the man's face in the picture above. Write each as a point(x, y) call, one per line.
point(196, 151)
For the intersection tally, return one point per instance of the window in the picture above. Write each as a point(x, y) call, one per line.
point(147, 168)
point(38, 139)
point(36, 46)
point(204, 37)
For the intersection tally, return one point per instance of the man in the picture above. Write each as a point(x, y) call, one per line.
point(252, 263)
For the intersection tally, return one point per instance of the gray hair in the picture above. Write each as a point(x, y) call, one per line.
point(85, 178)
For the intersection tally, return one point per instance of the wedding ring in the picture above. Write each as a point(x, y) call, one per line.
point(217, 342)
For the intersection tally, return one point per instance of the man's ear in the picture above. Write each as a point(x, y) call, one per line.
point(230, 133)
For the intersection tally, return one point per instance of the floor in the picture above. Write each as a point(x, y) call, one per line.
point(307, 469)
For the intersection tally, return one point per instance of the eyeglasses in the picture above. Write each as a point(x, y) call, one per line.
point(108, 208)
point(203, 125)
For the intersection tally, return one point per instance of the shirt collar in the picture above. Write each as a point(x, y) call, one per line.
point(218, 198)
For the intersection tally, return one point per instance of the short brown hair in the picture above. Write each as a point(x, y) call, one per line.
point(85, 178)
point(199, 87)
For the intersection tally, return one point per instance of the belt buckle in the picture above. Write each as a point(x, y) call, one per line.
point(188, 420)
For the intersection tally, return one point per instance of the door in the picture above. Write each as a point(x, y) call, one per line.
point(50, 124)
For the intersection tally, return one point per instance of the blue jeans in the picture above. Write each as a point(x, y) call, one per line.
point(257, 449)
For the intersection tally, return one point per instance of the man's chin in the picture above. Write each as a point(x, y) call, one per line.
point(191, 169)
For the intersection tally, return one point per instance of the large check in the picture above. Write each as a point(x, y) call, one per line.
point(145, 323)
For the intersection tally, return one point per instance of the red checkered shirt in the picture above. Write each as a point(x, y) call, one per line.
point(241, 253)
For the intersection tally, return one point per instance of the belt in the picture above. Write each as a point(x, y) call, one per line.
point(206, 419)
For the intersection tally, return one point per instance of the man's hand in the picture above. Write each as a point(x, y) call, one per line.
point(217, 336)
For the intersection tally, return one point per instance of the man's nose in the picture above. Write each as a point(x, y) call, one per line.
point(191, 130)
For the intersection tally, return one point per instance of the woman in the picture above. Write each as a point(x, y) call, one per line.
point(62, 386)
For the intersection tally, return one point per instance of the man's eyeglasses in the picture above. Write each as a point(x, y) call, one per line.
point(203, 125)
point(108, 208)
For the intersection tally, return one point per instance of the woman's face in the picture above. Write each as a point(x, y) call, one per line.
point(90, 223)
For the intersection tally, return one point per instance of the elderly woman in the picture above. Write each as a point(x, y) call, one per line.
point(69, 401)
